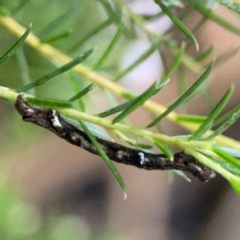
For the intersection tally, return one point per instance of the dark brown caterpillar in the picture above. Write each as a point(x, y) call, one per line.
point(51, 120)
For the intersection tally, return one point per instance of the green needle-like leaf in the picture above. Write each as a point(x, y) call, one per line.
point(180, 174)
point(177, 22)
point(56, 38)
point(226, 115)
point(139, 101)
point(230, 151)
point(83, 92)
point(208, 13)
point(190, 118)
point(164, 149)
point(182, 98)
point(116, 109)
point(24, 67)
point(235, 162)
point(208, 122)
point(225, 125)
point(122, 106)
point(228, 166)
point(205, 54)
point(77, 88)
point(175, 64)
point(60, 70)
point(114, 13)
point(96, 30)
point(111, 45)
point(60, 24)
point(48, 103)
point(13, 49)
point(105, 158)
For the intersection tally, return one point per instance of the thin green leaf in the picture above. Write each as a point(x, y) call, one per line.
point(230, 159)
point(61, 23)
point(230, 4)
point(182, 84)
point(83, 92)
point(184, 137)
point(111, 45)
point(24, 67)
point(58, 37)
point(111, 99)
point(143, 57)
point(175, 64)
point(116, 109)
point(128, 95)
point(139, 145)
point(120, 107)
point(190, 118)
point(114, 13)
point(225, 125)
point(181, 174)
point(158, 128)
point(230, 151)
point(201, 90)
point(139, 101)
point(226, 115)
point(77, 88)
point(48, 103)
point(167, 73)
point(208, 13)
point(183, 97)
point(96, 30)
point(228, 166)
point(205, 54)
point(96, 130)
point(58, 71)
point(105, 158)
point(164, 149)
point(215, 112)
point(177, 22)
point(13, 49)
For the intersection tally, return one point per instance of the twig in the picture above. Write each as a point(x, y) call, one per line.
point(52, 121)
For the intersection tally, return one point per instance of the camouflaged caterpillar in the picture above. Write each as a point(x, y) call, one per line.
point(52, 121)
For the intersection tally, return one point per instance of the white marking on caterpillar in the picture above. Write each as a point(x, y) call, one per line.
point(55, 120)
point(143, 160)
point(119, 154)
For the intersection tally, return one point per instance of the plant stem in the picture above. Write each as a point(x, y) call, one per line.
point(50, 52)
